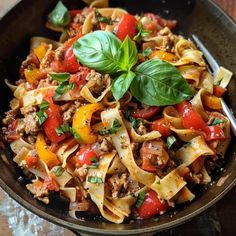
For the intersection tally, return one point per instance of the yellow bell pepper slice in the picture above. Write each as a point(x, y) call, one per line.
point(212, 102)
point(162, 55)
point(44, 153)
point(40, 51)
point(32, 75)
point(81, 122)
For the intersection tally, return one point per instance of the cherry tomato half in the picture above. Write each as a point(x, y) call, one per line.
point(190, 118)
point(70, 61)
point(152, 206)
point(145, 113)
point(53, 121)
point(214, 132)
point(163, 126)
point(85, 156)
point(31, 161)
point(126, 26)
point(218, 91)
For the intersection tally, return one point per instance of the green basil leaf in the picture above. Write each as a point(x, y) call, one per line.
point(42, 117)
point(95, 180)
point(114, 128)
point(142, 33)
point(217, 121)
point(158, 83)
point(140, 200)
point(44, 105)
point(121, 84)
point(60, 15)
point(60, 90)
point(100, 51)
point(75, 134)
point(65, 128)
point(58, 170)
point(60, 77)
point(129, 54)
point(170, 141)
point(147, 52)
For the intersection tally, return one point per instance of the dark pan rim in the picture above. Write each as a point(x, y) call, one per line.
point(79, 228)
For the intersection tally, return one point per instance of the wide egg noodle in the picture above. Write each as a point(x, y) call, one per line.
point(96, 190)
point(122, 144)
point(192, 151)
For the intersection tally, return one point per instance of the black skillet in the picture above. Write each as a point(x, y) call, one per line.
point(200, 17)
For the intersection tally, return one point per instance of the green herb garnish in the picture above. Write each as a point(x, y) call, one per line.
point(95, 180)
point(140, 200)
point(147, 52)
point(102, 19)
point(142, 33)
point(60, 15)
point(216, 121)
point(41, 114)
point(57, 170)
point(114, 128)
point(154, 82)
point(60, 77)
point(170, 141)
point(65, 128)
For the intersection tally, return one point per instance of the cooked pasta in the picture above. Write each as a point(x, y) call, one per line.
point(121, 115)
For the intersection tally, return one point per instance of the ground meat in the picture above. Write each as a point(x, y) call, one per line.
point(195, 178)
point(67, 116)
point(79, 18)
point(59, 54)
point(168, 43)
point(10, 117)
point(97, 82)
point(30, 60)
point(141, 130)
point(106, 145)
point(48, 58)
point(31, 126)
point(117, 183)
point(39, 191)
point(20, 128)
point(27, 109)
point(81, 172)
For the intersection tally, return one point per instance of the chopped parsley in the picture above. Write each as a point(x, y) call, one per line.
point(140, 200)
point(147, 52)
point(142, 33)
point(65, 128)
point(95, 180)
point(63, 79)
point(114, 128)
point(58, 170)
point(41, 114)
point(216, 121)
point(102, 19)
point(170, 141)
point(135, 122)
point(95, 163)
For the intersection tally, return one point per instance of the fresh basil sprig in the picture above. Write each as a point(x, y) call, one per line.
point(60, 15)
point(154, 82)
point(158, 83)
point(63, 79)
point(41, 114)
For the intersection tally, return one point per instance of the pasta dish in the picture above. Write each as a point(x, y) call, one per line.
point(121, 117)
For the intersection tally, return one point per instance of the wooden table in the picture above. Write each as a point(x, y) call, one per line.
point(51, 230)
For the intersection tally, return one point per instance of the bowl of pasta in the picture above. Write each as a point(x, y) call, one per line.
point(111, 120)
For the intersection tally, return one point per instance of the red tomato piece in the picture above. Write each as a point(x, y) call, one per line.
point(145, 113)
point(74, 12)
point(53, 121)
point(70, 61)
point(218, 91)
point(190, 118)
point(85, 156)
point(31, 161)
point(214, 132)
point(58, 66)
point(152, 206)
point(163, 126)
point(126, 26)
point(50, 184)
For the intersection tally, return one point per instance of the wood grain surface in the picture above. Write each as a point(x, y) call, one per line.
point(228, 5)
